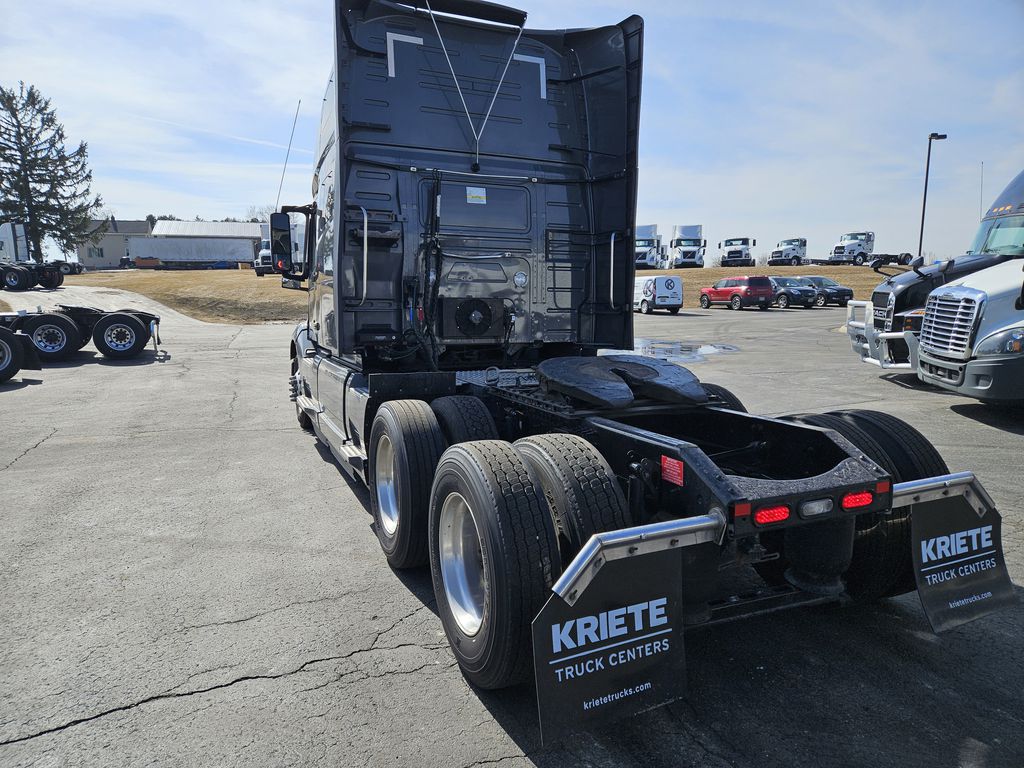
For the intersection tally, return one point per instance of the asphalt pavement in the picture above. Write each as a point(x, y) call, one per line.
point(187, 578)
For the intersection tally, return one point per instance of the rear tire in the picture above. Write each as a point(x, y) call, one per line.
point(464, 418)
point(54, 335)
point(673, 310)
point(645, 307)
point(581, 490)
point(50, 279)
point(911, 457)
point(12, 357)
point(736, 303)
point(405, 446)
point(493, 559)
point(17, 279)
point(723, 397)
point(120, 335)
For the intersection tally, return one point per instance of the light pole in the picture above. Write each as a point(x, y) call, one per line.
point(924, 202)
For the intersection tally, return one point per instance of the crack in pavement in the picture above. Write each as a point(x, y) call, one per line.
point(285, 607)
point(170, 694)
point(29, 450)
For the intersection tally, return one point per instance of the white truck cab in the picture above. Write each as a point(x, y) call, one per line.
point(647, 247)
point(972, 335)
point(792, 251)
point(854, 247)
point(686, 248)
point(736, 252)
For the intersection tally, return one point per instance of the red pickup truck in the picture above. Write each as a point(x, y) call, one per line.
point(739, 292)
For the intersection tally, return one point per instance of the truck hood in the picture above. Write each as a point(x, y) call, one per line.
point(1002, 281)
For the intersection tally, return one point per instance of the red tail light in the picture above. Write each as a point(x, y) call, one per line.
point(767, 515)
point(858, 500)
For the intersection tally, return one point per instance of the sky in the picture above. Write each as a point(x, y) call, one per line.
point(798, 119)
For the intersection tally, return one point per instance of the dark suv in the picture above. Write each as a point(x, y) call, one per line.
point(739, 292)
point(829, 291)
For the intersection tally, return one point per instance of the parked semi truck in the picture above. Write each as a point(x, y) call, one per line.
point(572, 506)
point(736, 252)
point(859, 248)
point(972, 336)
point(792, 251)
point(687, 247)
point(876, 327)
point(647, 247)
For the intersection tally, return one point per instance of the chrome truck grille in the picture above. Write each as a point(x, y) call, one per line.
point(839, 250)
point(949, 322)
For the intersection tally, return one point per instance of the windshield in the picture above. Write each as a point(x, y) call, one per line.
point(1004, 235)
point(684, 242)
point(791, 242)
point(645, 243)
point(736, 241)
point(787, 282)
point(853, 236)
point(264, 245)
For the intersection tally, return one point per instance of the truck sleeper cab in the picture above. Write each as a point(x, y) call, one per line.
point(468, 291)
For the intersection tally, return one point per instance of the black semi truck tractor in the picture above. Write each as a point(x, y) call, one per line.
point(876, 327)
point(468, 260)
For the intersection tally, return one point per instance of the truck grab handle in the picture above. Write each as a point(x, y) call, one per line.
point(366, 251)
point(611, 274)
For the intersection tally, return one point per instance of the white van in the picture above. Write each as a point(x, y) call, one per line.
point(651, 293)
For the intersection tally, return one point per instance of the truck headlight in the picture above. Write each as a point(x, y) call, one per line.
point(1006, 342)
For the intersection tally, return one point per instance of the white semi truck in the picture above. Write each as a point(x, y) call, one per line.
point(859, 248)
point(736, 252)
point(686, 248)
point(792, 251)
point(647, 247)
point(972, 336)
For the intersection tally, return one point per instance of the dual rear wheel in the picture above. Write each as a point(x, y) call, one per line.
point(496, 521)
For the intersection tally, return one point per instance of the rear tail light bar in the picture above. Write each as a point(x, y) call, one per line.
point(857, 500)
point(769, 515)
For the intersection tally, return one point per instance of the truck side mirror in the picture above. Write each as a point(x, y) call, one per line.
point(703, 243)
point(876, 264)
point(281, 241)
point(719, 246)
point(753, 243)
point(917, 262)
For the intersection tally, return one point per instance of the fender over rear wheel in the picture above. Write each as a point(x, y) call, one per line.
point(581, 490)
point(405, 446)
point(493, 559)
point(719, 395)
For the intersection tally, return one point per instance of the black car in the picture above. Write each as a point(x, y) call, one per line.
point(829, 291)
point(791, 291)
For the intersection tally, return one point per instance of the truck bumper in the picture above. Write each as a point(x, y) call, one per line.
point(867, 341)
point(996, 378)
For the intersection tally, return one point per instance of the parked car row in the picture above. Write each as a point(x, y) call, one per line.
point(764, 291)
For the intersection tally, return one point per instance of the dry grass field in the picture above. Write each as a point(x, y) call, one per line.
point(216, 296)
point(238, 296)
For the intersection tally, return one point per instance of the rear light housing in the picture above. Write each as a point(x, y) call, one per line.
point(816, 507)
point(769, 515)
point(857, 500)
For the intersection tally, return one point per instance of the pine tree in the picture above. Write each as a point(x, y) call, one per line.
point(42, 185)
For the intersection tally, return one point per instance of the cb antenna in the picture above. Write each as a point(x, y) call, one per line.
point(277, 203)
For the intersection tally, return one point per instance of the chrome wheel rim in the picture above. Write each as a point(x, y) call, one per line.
point(387, 490)
point(11, 279)
point(119, 337)
point(820, 301)
point(49, 338)
point(462, 565)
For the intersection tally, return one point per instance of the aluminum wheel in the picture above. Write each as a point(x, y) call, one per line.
point(49, 338)
point(462, 564)
point(387, 490)
point(119, 337)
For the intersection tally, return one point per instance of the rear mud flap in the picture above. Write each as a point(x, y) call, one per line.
point(958, 552)
point(609, 642)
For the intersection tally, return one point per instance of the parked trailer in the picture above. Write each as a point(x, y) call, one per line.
point(59, 332)
point(587, 506)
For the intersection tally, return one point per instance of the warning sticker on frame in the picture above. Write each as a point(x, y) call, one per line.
point(476, 195)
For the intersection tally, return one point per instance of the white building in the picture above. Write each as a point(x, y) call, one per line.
point(107, 251)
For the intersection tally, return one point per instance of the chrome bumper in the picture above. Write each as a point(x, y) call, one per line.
point(871, 344)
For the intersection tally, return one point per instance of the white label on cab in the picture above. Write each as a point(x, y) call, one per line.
point(476, 195)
